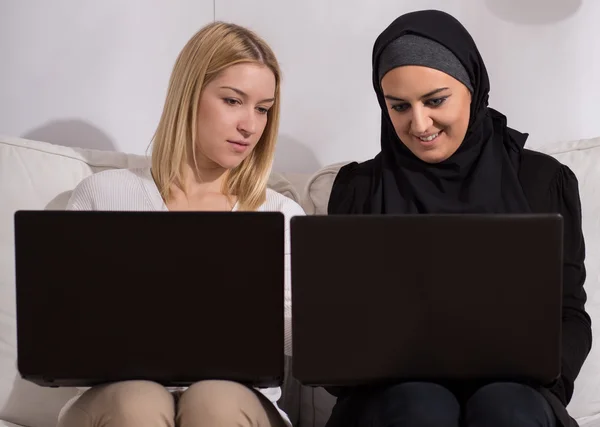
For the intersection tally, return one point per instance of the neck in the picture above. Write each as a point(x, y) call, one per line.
point(203, 179)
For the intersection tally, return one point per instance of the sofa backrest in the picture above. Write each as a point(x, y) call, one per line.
point(38, 175)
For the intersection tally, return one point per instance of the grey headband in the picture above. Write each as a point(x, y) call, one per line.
point(416, 50)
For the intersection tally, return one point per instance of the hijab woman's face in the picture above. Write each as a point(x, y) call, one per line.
point(429, 110)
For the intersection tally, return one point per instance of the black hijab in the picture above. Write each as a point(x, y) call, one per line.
point(481, 177)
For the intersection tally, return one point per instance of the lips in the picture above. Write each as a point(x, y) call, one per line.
point(241, 143)
point(429, 139)
point(239, 146)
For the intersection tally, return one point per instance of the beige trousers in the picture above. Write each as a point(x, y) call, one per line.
point(147, 404)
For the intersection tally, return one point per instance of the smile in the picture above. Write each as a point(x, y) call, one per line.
point(429, 138)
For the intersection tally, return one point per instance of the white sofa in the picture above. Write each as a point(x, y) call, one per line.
point(38, 175)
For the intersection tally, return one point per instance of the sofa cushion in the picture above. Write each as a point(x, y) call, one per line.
point(319, 188)
point(39, 175)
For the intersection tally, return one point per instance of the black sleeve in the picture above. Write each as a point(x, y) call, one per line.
point(577, 332)
point(342, 192)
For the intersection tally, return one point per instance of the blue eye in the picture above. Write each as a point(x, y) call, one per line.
point(400, 107)
point(432, 103)
point(436, 102)
point(262, 110)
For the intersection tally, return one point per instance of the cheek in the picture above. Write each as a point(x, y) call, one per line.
point(262, 121)
point(260, 124)
point(462, 123)
point(213, 119)
point(456, 120)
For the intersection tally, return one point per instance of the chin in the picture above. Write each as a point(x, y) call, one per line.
point(230, 163)
point(433, 159)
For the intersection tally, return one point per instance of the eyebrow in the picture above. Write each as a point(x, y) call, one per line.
point(427, 95)
point(243, 94)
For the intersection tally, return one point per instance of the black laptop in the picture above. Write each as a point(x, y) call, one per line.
point(426, 297)
point(171, 297)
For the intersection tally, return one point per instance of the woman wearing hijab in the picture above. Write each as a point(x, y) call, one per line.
point(443, 150)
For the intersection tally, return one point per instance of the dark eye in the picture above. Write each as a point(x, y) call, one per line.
point(436, 102)
point(262, 110)
point(400, 107)
point(231, 101)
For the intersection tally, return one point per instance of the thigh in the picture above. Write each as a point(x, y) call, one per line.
point(121, 404)
point(508, 404)
point(224, 403)
point(407, 404)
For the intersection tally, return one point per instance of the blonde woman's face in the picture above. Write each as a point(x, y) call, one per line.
point(232, 114)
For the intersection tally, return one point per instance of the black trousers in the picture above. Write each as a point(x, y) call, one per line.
point(420, 404)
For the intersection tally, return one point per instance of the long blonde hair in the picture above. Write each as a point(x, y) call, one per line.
point(211, 50)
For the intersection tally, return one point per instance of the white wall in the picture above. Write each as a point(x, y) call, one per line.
point(91, 73)
point(94, 73)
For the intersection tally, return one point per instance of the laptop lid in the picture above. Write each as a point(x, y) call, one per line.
point(426, 297)
point(172, 297)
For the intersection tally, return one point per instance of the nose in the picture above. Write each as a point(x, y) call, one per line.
point(247, 124)
point(420, 121)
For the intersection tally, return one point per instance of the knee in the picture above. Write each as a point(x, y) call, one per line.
point(216, 400)
point(508, 404)
point(134, 398)
point(416, 404)
point(216, 392)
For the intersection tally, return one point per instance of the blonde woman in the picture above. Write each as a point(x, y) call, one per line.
point(212, 151)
